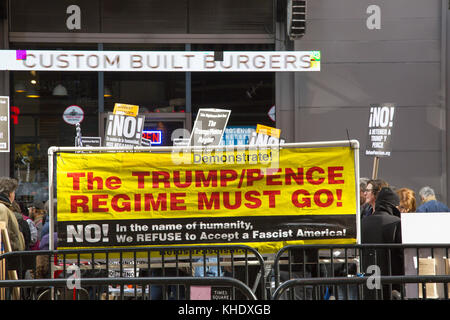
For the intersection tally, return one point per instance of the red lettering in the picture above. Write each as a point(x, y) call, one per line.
point(79, 202)
point(305, 202)
point(177, 180)
point(75, 179)
point(271, 176)
point(174, 201)
point(97, 201)
point(113, 183)
point(204, 202)
point(332, 175)
point(251, 196)
point(155, 205)
point(328, 201)
point(226, 176)
point(237, 200)
point(91, 179)
point(141, 175)
point(126, 206)
point(137, 202)
point(252, 177)
point(290, 174)
point(211, 179)
point(165, 179)
point(271, 194)
point(310, 173)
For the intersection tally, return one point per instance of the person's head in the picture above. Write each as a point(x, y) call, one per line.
point(388, 201)
point(407, 200)
point(427, 194)
point(374, 186)
point(36, 209)
point(362, 189)
point(8, 187)
point(47, 204)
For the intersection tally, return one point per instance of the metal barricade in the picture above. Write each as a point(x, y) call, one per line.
point(56, 289)
point(355, 261)
point(316, 283)
point(240, 263)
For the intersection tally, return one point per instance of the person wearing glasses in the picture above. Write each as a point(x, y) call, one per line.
point(370, 193)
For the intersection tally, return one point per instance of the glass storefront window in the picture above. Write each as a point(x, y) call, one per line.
point(162, 92)
point(39, 100)
point(151, 91)
point(249, 95)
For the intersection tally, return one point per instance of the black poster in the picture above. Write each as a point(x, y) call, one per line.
point(381, 124)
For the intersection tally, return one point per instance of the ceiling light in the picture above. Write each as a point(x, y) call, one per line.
point(107, 93)
point(60, 90)
point(33, 94)
point(19, 87)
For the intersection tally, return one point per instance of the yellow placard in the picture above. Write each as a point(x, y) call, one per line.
point(126, 109)
point(262, 198)
point(270, 131)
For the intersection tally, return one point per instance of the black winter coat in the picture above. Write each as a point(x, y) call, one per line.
point(383, 227)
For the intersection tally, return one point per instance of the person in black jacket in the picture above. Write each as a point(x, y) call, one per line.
point(383, 226)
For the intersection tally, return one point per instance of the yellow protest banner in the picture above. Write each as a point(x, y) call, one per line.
point(264, 198)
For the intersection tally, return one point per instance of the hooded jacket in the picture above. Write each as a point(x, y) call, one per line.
point(7, 216)
point(383, 226)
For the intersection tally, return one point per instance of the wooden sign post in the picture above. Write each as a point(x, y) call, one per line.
point(12, 274)
point(376, 161)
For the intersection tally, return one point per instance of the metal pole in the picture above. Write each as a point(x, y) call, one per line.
point(50, 213)
point(50, 198)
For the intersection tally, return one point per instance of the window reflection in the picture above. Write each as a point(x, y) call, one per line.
point(39, 100)
point(249, 95)
point(151, 91)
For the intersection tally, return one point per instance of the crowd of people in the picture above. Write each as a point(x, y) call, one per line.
point(381, 209)
point(27, 224)
point(381, 206)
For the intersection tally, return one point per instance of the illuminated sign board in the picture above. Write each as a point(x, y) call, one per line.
point(155, 136)
point(181, 61)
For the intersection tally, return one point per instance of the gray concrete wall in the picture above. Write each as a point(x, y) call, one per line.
point(402, 62)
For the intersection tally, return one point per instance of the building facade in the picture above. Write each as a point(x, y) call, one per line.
point(373, 52)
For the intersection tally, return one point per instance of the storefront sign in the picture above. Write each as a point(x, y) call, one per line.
point(73, 115)
point(155, 136)
point(4, 124)
point(148, 199)
point(233, 61)
point(381, 123)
